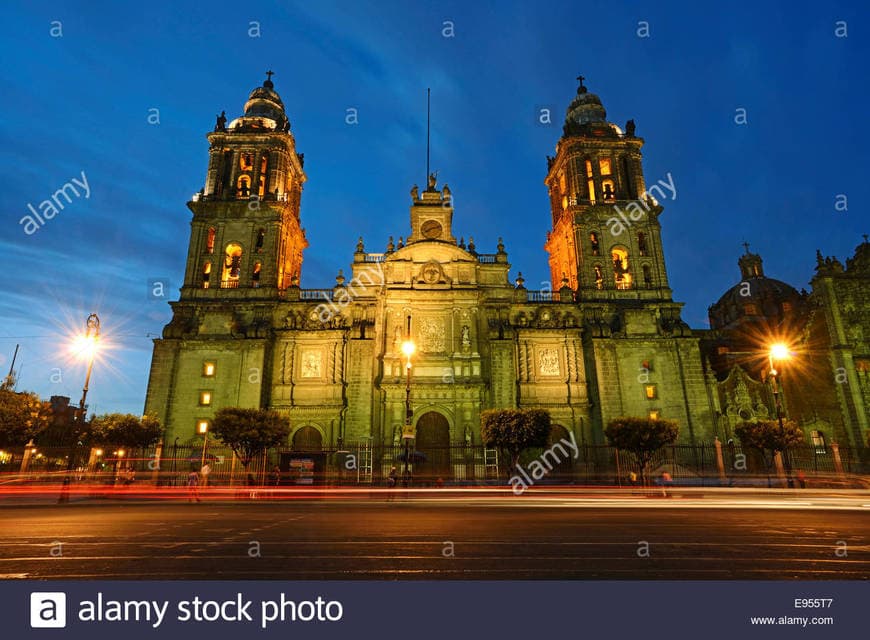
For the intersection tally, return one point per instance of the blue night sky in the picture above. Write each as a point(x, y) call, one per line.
point(81, 102)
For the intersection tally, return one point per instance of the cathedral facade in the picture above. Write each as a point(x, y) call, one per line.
point(606, 341)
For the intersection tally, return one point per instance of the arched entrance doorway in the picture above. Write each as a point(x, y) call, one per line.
point(307, 439)
point(433, 441)
point(306, 463)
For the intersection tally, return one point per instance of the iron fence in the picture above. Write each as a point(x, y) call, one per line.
point(458, 464)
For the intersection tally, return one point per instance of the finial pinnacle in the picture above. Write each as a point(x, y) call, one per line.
point(581, 88)
point(268, 83)
point(746, 246)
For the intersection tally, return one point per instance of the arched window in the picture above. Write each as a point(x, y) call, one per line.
point(261, 239)
point(641, 243)
point(590, 183)
point(607, 192)
point(647, 276)
point(621, 273)
point(243, 186)
point(209, 240)
point(232, 266)
point(246, 161)
point(206, 274)
point(596, 247)
point(599, 276)
point(255, 275)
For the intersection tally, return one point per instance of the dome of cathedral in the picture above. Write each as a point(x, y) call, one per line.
point(755, 298)
point(586, 108)
point(264, 102)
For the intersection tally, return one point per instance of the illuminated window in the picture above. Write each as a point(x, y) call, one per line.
point(264, 163)
point(621, 274)
point(202, 427)
point(641, 243)
point(599, 277)
point(593, 240)
point(654, 414)
point(650, 391)
point(605, 166)
point(204, 398)
point(608, 194)
point(208, 369)
point(209, 240)
point(588, 168)
point(255, 276)
point(261, 190)
point(206, 274)
point(243, 186)
point(246, 161)
point(591, 186)
point(232, 266)
point(564, 202)
point(563, 187)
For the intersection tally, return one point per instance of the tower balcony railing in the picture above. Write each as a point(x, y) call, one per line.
point(542, 296)
point(233, 195)
point(375, 257)
point(315, 294)
point(487, 258)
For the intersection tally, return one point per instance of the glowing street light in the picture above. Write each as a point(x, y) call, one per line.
point(778, 353)
point(202, 427)
point(85, 347)
point(408, 348)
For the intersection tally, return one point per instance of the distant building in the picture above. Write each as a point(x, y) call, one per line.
point(826, 384)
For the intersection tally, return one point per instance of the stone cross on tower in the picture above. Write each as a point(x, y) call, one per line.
point(746, 246)
point(269, 75)
point(580, 79)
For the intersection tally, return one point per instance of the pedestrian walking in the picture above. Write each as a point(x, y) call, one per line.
point(203, 472)
point(666, 481)
point(193, 486)
point(392, 480)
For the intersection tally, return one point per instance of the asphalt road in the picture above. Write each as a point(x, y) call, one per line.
point(523, 538)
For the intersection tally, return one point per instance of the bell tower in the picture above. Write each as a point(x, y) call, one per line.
point(246, 238)
point(606, 237)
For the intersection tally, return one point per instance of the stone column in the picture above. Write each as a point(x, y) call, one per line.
point(838, 463)
point(780, 470)
point(720, 461)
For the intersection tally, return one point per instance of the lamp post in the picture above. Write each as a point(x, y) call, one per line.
point(408, 348)
point(203, 429)
point(777, 353)
point(85, 346)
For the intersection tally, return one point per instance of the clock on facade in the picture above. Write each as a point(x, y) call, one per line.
point(431, 229)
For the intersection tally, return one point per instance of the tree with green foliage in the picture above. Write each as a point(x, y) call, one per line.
point(124, 429)
point(23, 416)
point(766, 437)
point(514, 430)
point(642, 437)
point(249, 431)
